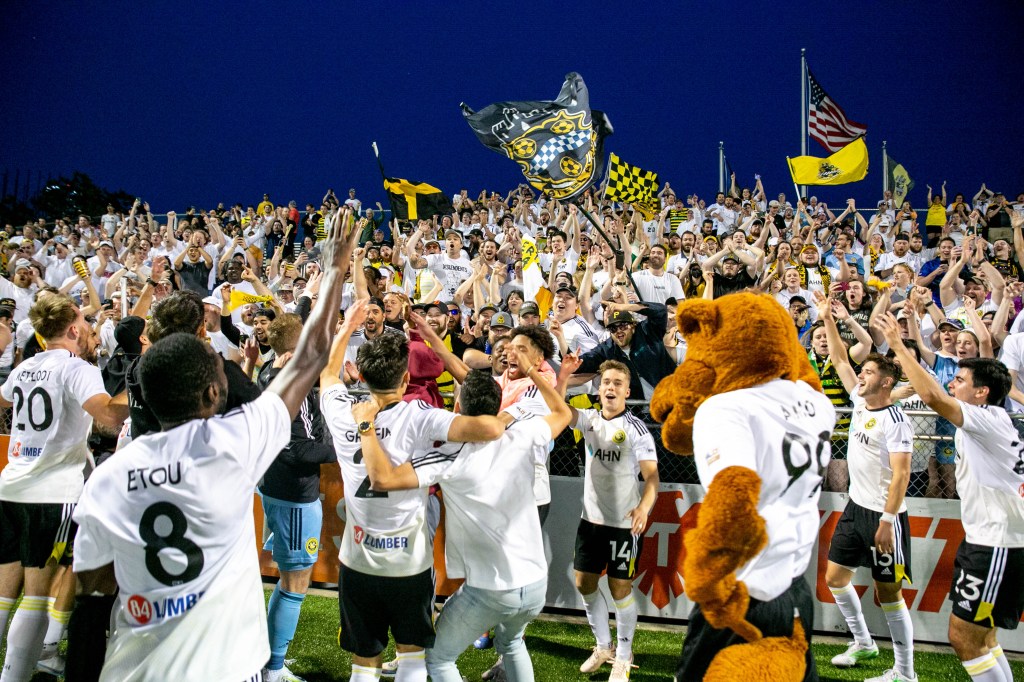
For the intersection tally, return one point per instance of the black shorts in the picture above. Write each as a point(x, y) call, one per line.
point(603, 547)
point(371, 605)
point(774, 618)
point(35, 533)
point(986, 586)
point(853, 544)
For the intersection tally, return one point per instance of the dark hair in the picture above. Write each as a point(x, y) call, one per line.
point(539, 337)
point(480, 394)
point(557, 233)
point(886, 367)
point(383, 361)
point(181, 312)
point(990, 374)
point(659, 246)
point(911, 345)
point(174, 374)
point(948, 239)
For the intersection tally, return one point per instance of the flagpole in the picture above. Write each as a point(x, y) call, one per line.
point(885, 167)
point(721, 166)
point(614, 245)
point(384, 179)
point(803, 105)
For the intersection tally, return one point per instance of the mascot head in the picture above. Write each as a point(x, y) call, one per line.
point(736, 341)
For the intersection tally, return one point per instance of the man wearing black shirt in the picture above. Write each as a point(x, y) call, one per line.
point(734, 277)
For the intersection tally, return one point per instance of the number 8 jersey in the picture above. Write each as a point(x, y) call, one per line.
point(49, 431)
point(781, 430)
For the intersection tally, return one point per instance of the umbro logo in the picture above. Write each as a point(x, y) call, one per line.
point(964, 604)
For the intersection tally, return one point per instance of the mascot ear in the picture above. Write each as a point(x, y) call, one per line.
point(698, 315)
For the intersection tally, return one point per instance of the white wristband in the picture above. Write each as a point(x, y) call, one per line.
point(888, 518)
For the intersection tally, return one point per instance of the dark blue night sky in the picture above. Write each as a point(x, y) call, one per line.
point(233, 100)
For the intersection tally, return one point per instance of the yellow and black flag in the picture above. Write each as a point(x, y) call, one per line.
point(631, 184)
point(849, 164)
point(558, 144)
point(413, 200)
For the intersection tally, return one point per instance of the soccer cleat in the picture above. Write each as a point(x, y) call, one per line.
point(854, 654)
point(281, 675)
point(389, 669)
point(496, 672)
point(54, 665)
point(621, 669)
point(598, 658)
point(891, 675)
point(484, 641)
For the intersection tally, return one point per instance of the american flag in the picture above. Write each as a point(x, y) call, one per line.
point(827, 122)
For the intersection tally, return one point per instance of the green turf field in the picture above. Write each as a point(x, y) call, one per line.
point(558, 648)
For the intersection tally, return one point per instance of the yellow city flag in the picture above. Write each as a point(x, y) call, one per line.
point(533, 278)
point(849, 164)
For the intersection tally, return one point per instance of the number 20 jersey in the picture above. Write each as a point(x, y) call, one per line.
point(49, 430)
point(781, 430)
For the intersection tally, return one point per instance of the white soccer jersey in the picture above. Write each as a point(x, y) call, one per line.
point(531, 404)
point(173, 512)
point(452, 272)
point(581, 336)
point(386, 532)
point(990, 477)
point(615, 448)
point(567, 263)
point(492, 532)
point(874, 434)
point(658, 288)
point(49, 432)
point(782, 431)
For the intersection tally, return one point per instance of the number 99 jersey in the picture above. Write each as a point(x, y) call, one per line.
point(780, 430)
point(49, 430)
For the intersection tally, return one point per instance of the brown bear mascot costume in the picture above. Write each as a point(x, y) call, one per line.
point(747, 404)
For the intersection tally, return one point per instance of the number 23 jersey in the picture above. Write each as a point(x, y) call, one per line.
point(49, 431)
point(781, 430)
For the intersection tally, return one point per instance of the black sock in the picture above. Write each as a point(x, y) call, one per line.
point(87, 638)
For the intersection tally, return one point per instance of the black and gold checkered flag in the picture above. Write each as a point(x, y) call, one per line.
point(631, 184)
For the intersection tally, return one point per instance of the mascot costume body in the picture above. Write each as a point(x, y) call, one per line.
point(748, 405)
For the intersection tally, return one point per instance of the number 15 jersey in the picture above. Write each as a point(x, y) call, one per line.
point(781, 430)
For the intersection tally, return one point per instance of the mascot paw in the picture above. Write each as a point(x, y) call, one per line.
point(771, 659)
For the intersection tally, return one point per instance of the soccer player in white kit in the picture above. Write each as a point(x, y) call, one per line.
point(168, 518)
point(989, 567)
point(874, 529)
point(56, 394)
point(781, 430)
point(386, 579)
point(610, 533)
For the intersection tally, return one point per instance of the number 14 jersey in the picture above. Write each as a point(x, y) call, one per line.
point(781, 430)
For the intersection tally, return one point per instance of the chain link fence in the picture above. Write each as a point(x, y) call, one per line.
point(932, 463)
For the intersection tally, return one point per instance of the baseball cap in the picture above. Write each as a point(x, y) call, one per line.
point(449, 233)
point(774, 203)
point(476, 232)
point(107, 242)
point(21, 263)
point(502, 320)
point(8, 303)
point(568, 289)
point(127, 333)
point(435, 304)
point(620, 317)
point(492, 308)
point(734, 259)
point(421, 307)
point(955, 324)
point(212, 300)
point(901, 237)
point(529, 308)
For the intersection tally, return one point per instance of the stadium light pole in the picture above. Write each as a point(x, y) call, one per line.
point(803, 110)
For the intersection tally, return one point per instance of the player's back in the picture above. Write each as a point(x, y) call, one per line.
point(781, 430)
point(49, 430)
point(173, 512)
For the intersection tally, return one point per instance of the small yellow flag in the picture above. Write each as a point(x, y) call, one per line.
point(240, 298)
point(849, 164)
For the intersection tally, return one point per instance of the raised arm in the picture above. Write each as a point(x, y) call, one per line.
point(836, 348)
point(930, 390)
point(295, 380)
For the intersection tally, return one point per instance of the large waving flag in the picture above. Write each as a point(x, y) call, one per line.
point(533, 278)
point(826, 120)
point(632, 185)
point(558, 144)
point(849, 164)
